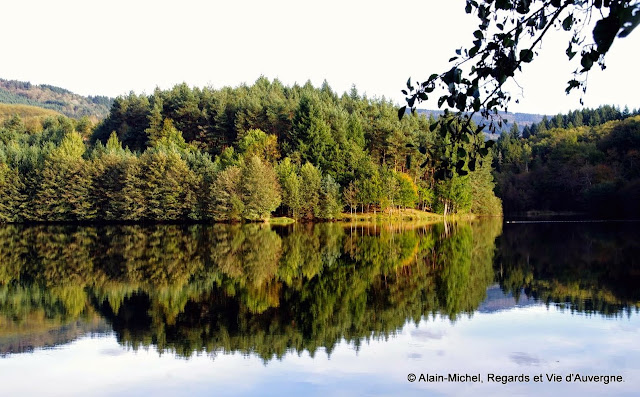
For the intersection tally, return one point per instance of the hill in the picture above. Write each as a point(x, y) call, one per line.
point(55, 98)
point(522, 119)
point(30, 116)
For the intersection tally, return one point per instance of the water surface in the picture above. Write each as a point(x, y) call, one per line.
point(323, 309)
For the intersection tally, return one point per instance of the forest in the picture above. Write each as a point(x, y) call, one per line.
point(232, 154)
point(584, 162)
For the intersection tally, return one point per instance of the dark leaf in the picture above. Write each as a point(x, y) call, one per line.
point(409, 83)
point(405, 92)
point(526, 55)
point(605, 31)
point(424, 164)
point(568, 22)
point(586, 62)
point(401, 112)
point(409, 145)
point(422, 150)
point(461, 152)
point(433, 126)
point(483, 151)
point(472, 164)
point(488, 144)
point(570, 53)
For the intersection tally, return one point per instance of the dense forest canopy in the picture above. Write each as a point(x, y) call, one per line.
point(575, 163)
point(231, 154)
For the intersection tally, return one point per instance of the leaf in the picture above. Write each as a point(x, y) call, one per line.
point(424, 164)
point(409, 83)
point(461, 102)
point(409, 145)
point(458, 51)
point(405, 92)
point(401, 112)
point(478, 35)
point(433, 126)
point(568, 22)
point(526, 55)
point(605, 32)
point(556, 3)
point(483, 151)
point(572, 84)
point(452, 59)
point(422, 150)
point(461, 152)
point(488, 144)
point(472, 164)
point(570, 53)
point(586, 62)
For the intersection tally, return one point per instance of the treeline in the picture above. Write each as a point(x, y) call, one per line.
point(579, 118)
point(228, 155)
point(593, 169)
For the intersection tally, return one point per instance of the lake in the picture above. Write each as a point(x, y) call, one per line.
point(478, 308)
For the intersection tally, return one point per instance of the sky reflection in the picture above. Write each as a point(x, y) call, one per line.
point(529, 340)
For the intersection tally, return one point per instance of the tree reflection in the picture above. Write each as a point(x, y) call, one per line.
point(588, 267)
point(256, 289)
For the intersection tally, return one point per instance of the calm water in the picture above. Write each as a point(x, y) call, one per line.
point(320, 309)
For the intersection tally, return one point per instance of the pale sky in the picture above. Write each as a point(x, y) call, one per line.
point(113, 47)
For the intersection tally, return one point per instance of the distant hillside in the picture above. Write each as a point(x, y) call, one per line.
point(55, 98)
point(522, 119)
point(30, 116)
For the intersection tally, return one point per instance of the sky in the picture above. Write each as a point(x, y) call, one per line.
point(114, 47)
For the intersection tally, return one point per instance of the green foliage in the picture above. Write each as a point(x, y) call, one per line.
point(191, 154)
point(330, 204)
point(259, 188)
point(290, 183)
point(168, 186)
point(586, 169)
point(310, 184)
point(227, 197)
